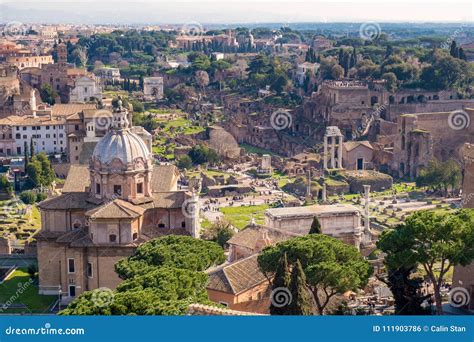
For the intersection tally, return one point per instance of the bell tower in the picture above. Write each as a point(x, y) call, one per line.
point(62, 55)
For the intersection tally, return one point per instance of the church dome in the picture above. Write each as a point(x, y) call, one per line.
point(122, 145)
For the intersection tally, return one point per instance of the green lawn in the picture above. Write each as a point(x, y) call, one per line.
point(240, 217)
point(180, 125)
point(256, 150)
point(19, 289)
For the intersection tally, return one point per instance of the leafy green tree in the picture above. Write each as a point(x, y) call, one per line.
point(47, 173)
point(281, 280)
point(147, 121)
point(444, 73)
point(331, 266)
point(366, 68)
point(173, 251)
point(220, 231)
point(279, 83)
point(28, 197)
point(33, 171)
point(440, 175)
point(5, 185)
point(137, 106)
point(48, 95)
point(315, 227)
point(185, 162)
point(163, 277)
point(435, 241)
point(390, 81)
point(337, 72)
point(301, 303)
point(201, 154)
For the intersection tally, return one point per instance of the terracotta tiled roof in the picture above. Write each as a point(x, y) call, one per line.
point(168, 200)
point(92, 113)
point(249, 236)
point(236, 277)
point(70, 200)
point(67, 109)
point(163, 178)
point(350, 145)
point(77, 179)
point(208, 310)
point(46, 235)
point(30, 120)
point(116, 209)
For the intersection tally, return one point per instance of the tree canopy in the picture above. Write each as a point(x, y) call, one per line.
point(331, 267)
point(435, 241)
point(162, 277)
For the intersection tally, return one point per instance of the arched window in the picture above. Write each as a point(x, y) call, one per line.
point(112, 238)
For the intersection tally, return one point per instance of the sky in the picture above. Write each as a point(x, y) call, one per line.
point(233, 11)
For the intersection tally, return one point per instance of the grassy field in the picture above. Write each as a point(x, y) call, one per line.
point(171, 128)
point(256, 150)
point(240, 217)
point(180, 125)
point(18, 289)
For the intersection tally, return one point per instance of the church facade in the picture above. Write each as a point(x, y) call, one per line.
point(107, 209)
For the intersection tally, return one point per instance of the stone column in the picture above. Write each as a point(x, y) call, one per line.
point(195, 222)
point(333, 152)
point(367, 215)
point(325, 155)
point(324, 192)
point(308, 187)
point(339, 152)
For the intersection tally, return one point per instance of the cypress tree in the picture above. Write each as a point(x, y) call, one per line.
point(25, 148)
point(32, 149)
point(315, 227)
point(301, 304)
point(281, 280)
point(353, 58)
point(453, 51)
point(341, 57)
point(462, 54)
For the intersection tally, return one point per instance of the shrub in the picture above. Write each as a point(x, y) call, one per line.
point(28, 197)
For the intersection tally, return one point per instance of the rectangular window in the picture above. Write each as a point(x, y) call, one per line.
point(97, 188)
point(112, 238)
point(71, 266)
point(89, 270)
point(140, 188)
point(118, 190)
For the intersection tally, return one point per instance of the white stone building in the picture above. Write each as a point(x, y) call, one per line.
point(341, 221)
point(85, 88)
point(153, 88)
point(47, 134)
